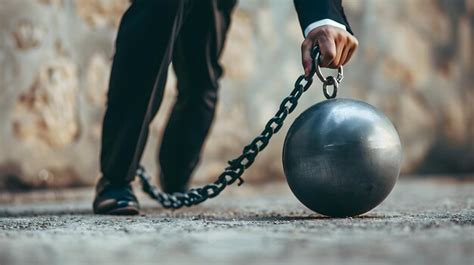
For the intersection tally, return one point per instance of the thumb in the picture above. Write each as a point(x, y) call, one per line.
point(306, 59)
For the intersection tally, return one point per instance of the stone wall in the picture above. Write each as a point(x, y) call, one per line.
point(414, 62)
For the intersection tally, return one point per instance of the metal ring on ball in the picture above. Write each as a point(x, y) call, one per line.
point(317, 62)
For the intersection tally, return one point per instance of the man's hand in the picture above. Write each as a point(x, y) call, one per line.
point(336, 45)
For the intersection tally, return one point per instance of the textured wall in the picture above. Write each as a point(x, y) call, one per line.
point(414, 62)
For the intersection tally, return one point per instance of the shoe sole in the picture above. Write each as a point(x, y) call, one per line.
point(124, 211)
point(110, 207)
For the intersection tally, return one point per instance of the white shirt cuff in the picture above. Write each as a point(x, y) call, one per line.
point(323, 22)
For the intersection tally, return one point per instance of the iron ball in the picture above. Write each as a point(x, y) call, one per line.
point(342, 157)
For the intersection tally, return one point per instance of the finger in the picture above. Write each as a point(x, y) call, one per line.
point(306, 59)
point(340, 45)
point(328, 50)
point(349, 55)
point(354, 45)
point(345, 53)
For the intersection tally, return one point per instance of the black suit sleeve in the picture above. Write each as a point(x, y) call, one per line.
point(310, 11)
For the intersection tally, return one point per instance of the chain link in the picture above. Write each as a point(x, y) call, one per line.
point(237, 166)
point(327, 81)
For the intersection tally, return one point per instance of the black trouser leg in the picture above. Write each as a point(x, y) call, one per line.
point(144, 49)
point(196, 63)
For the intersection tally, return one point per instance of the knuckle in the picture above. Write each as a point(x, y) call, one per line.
point(353, 41)
point(356, 43)
point(341, 38)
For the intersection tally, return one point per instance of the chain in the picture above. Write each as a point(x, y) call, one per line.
point(237, 166)
point(327, 81)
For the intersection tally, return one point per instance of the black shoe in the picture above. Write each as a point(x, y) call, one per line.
point(115, 199)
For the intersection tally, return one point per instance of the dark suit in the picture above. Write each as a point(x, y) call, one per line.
point(310, 11)
point(191, 34)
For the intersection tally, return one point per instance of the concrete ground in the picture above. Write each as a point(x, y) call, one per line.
point(424, 221)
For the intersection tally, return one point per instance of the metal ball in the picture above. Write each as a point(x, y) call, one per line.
point(342, 157)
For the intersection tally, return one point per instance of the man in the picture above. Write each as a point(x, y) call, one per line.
point(191, 34)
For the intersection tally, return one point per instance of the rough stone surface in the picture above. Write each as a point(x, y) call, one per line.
point(46, 114)
point(55, 58)
point(422, 222)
